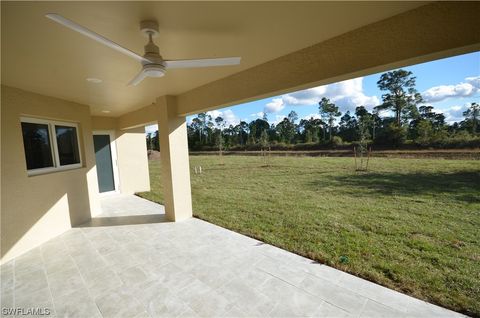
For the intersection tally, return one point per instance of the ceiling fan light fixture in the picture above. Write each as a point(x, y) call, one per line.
point(154, 70)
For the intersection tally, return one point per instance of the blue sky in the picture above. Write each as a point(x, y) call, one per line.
point(449, 85)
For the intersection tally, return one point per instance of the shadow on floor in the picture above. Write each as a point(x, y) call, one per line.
point(125, 220)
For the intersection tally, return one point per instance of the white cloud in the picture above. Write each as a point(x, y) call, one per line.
point(454, 113)
point(347, 95)
point(385, 113)
point(474, 81)
point(151, 129)
point(214, 113)
point(228, 116)
point(276, 105)
point(258, 115)
point(464, 89)
point(314, 116)
point(279, 118)
point(309, 96)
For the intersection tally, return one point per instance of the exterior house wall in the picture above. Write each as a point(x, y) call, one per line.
point(104, 123)
point(37, 208)
point(132, 160)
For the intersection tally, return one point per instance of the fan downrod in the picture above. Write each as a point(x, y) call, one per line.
point(149, 28)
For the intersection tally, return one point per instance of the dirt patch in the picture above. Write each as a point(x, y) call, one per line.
point(469, 154)
point(440, 153)
point(153, 155)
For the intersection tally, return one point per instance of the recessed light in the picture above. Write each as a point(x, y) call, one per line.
point(94, 80)
point(105, 111)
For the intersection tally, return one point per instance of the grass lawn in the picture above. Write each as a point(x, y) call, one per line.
point(409, 224)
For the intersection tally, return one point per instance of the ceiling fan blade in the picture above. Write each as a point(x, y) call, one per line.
point(137, 79)
point(203, 62)
point(95, 36)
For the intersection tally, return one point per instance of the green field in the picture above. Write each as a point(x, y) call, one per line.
point(409, 224)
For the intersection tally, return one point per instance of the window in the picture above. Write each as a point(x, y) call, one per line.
point(67, 145)
point(38, 151)
point(50, 145)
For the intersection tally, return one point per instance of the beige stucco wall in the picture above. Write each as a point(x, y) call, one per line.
point(37, 208)
point(132, 160)
point(174, 158)
point(131, 150)
point(104, 123)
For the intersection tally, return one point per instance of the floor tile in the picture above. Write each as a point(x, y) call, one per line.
point(76, 305)
point(334, 294)
point(376, 310)
point(147, 292)
point(30, 282)
point(289, 299)
point(59, 265)
point(29, 262)
point(249, 300)
point(7, 280)
point(193, 290)
point(120, 260)
point(212, 304)
point(65, 282)
point(135, 275)
point(187, 269)
point(328, 310)
point(166, 306)
point(101, 281)
point(6, 299)
point(40, 299)
point(213, 276)
point(119, 303)
point(289, 274)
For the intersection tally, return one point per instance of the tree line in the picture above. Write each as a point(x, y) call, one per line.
point(403, 119)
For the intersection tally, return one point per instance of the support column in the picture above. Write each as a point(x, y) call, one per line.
point(174, 160)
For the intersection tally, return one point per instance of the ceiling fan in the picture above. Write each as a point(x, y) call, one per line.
point(153, 64)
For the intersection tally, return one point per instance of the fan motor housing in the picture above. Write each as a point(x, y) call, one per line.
point(148, 27)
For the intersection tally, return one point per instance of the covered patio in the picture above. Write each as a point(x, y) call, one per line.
point(151, 268)
point(75, 240)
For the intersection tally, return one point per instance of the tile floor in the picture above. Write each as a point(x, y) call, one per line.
point(131, 263)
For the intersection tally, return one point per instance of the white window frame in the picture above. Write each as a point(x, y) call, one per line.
point(53, 145)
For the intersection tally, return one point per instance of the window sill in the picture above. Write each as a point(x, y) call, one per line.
point(42, 171)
